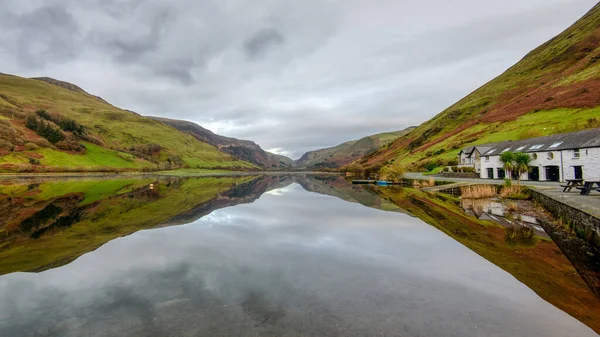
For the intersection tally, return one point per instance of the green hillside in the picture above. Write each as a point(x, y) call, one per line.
point(554, 89)
point(345, 153)
point(244, 150)
point(82, 132)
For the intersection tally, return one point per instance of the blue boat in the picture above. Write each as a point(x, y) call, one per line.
point(384, 183)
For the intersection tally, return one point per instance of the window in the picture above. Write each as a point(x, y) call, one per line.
point(521, 148)
point(550, 155)
point(576, 153)
point(534, 156)
point(487, 158)
point(555, 145)
point(491, 151)
point(536, 147)
point(507, 149)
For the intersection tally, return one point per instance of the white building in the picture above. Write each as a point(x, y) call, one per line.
point(574, 155)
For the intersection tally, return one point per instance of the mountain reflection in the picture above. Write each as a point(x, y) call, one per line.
point(49, 224)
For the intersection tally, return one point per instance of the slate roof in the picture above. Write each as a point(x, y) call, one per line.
point(467, 150)
point(564, 141)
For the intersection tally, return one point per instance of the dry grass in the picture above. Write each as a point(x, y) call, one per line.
point(478, 191)
point(514, 192)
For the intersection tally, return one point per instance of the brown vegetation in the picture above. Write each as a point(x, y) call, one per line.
point(479, 191)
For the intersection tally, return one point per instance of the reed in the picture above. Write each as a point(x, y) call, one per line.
point(478, 191)
point(514, 192)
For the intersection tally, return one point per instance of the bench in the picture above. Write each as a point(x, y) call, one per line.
point(588, 187)
point(572, 183)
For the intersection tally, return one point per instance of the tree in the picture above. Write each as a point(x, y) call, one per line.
point(507, 159)
point(521, 165)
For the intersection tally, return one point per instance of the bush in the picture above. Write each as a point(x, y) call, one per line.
point(392, 172)
point(41, 142)
point(454, 168)
point(31, 146)
point(34, 161)
point(32, 122)
point(65, 124)
point(430, 166)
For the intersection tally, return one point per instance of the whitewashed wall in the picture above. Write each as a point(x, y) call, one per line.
point(589, 160)
point(542, 161)
point(494, 163)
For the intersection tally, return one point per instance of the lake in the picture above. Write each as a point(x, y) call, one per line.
point(290, 255)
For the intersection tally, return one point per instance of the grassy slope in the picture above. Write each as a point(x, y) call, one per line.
point(110, 213)
point(345, 153)
point(116, 127)
point(554, 89)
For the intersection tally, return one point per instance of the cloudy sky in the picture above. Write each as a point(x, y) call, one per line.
point(291, 75)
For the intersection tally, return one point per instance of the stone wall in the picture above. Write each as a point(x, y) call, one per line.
point(584, 257)
point(585, 225)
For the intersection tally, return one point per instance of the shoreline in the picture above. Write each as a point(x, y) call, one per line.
point(174, 173)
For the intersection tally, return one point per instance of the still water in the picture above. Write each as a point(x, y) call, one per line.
point(247, 256)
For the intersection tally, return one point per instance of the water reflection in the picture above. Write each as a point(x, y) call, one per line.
point(493, 210)
point(282, 262)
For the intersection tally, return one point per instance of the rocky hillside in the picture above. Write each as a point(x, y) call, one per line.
point(241, 149)
point(554, 89)
point(345, 153)
point(50, 125)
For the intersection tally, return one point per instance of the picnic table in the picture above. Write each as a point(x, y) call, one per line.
point(588, 186)
point(571, 183)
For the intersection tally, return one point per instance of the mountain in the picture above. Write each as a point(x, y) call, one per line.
point(284, 161)
point(51, 125)
point(242, 149)
point(347, 152)
point(554, 89)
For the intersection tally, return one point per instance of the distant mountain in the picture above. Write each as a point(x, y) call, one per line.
point(284, 161)
point(241, 149)
point(554, 89)
point(347, 152)
point(51, 125)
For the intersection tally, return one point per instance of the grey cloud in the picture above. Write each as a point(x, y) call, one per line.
point(262, 41)
point(39, 36)
point(295, 75)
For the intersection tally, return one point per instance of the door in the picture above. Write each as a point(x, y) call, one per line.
point(578, 172)
point(490, 173)
point(514, 175)
point(501, 173)
point(552, 173)
point(534, 174)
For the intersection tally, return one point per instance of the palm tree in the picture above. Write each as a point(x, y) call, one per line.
point(507, 159)
point(522, 164)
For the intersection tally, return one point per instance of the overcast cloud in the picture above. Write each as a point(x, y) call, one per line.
point(291, 75)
